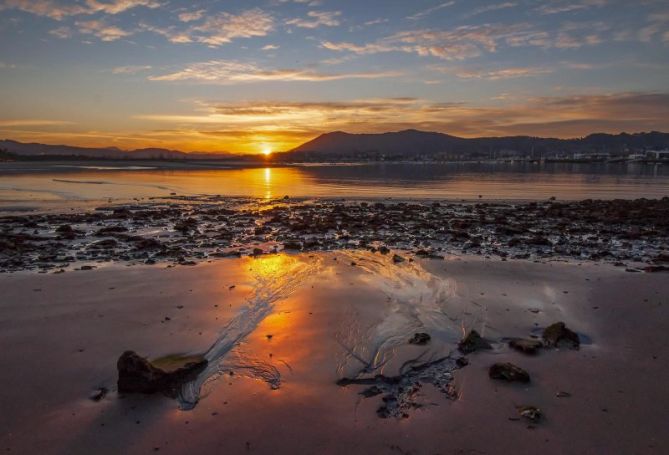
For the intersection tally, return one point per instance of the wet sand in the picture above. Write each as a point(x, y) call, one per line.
point(62, 334)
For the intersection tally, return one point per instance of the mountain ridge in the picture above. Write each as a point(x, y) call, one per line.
point(414, 142)
point(404, 144)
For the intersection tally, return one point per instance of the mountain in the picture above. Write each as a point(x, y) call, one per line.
point(414, 143)
point(36, 150)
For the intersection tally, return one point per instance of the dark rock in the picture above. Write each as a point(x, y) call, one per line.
point(524, 345)
point(371, 391)
point(508, 372)
point(558, 335)
point(166, 375)
point(420, 338)
point(384, 249)
point(98, 394)
point(397, 259)
point(473, 342)
point(656, 268)
point(292, 245)
point(530, 413)
point(462, 362)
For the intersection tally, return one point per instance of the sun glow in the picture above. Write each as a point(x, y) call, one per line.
point(266, 150)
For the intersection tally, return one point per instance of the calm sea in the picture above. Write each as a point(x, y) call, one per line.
point(29, 184)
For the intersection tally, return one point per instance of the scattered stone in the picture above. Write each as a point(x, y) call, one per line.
point(420, 338)
point(558, 335)
point(656, 268)
point(562, 394)
point(530, 413)
point(292, 246)
point(397, 259)
point(525, 345)
point(98, 394)
point(508, 372)
point(473, 342)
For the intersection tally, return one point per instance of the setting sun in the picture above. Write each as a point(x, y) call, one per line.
point(266, 151)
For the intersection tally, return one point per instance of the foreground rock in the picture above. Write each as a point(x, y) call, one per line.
point(558, 335)
point(473, 342)
point(508, 372)
point(166, 375)
point(525, 345)
point(531, 413)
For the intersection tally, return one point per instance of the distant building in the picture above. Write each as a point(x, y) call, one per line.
point(662, 155)
point(591, 156)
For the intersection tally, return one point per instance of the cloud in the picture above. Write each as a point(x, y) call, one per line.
point(4, 65)
point(131, 69)
point(564, 7)
point(505, 73)
point(190, 16)
point(426, 12)
point(218, 29)
point(228, 72)
point(269, 47)
point(469, 41)
point(224, 27)
point(493, 7)
point(316, 19)
point(462, 42)
point(567, 116)
point(101, 30)
point(61, 32)
point(31, 122)
point(58, 11)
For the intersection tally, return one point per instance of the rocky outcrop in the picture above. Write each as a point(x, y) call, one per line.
point(508, 372)
point(136, 374)
point(558, 335)
point(473, 342)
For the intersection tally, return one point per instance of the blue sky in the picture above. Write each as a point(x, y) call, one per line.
point(248, 75)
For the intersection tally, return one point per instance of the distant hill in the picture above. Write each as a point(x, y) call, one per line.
point(400, 145)
point(414, 143)
point(36, 150)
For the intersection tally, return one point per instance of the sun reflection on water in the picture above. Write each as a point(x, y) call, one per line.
point(268, 183)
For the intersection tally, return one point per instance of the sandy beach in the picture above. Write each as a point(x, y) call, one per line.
point(287, 327)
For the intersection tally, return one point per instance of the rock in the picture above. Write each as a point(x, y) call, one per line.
point(64, 229)
point(292, 245)
point(371, 391)
point(562, 394)
point(397, 259)
point(420, 338)
point(656, 268)
point(508, 372)
point(98, 394)
point(462, 362)
point(525, 345)
point(384, 249)
point(531, 413)
point(473, 342)
point(166, 375)
point(257, 251)
point(558, 335)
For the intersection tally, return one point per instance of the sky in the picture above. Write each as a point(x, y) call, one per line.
point(249, 76)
